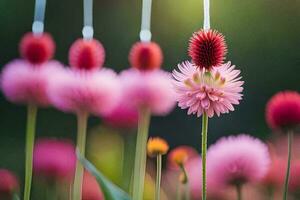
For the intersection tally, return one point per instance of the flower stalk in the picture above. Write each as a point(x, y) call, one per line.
point(287, 176)
point(204, 149)
point(140, 154)
point(30, 135)
point(82, 119)
point(239, 191)
point(158, 176)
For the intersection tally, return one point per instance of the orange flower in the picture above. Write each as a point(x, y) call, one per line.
point(157, 146)
point(179, 156)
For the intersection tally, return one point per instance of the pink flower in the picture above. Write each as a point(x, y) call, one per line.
point(54, 159)
point(93, 91)
point(8, 184)
point(90, 188)
point(213, 92)
point(237, 160)
point(152, 89)
point(25, 83)
point(283, 110)
point(122, 116)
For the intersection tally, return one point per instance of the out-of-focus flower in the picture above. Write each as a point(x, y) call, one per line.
point(180, 155)
point(25, 83)
point(145, 56)
point(90, 188)
point(213, 92)
point(275, 175)
point(37, 48)
point(207, 49)
point(78, 91)
point(283, 110)
point(151, 89)
point(8, 184)
point(54, 159)
point(237, 160)
point(86, 54)
point(157, 146)
point(123, 115)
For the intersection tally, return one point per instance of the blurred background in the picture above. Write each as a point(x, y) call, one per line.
point(262, 37)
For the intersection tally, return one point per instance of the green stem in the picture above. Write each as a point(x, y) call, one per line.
point(186, 191)
point(287, 176)
point(204, 149)
point(128, 159)
point(239, 191)
point(140, 154)
point(30, 134)
point(82, 119)
point(158, 177)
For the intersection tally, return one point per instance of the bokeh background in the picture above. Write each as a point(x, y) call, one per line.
point(262, 37)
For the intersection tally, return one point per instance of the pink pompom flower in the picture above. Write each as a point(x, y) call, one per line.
point(25, 83)
point(283, 110)
point(151, 89)
point(237, 160)
point(213, 92)
point(54, 159)
point(91, 91)
point(9, 184)
point(123, 115)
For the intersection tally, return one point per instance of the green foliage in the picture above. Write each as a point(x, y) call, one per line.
point(110, 190)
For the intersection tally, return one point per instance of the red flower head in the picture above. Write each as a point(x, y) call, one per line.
point(283, 110)
point(8, 184)
point(207, 49)
point(145, 56)
point(86, 54)
point(37, 48)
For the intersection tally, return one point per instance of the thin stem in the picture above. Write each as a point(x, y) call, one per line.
point(206, 25)
point(140, 154)
point(82, 119)
point(186, 191)
point(158, 177)
point(239, 192)
point(204, 148)
point(88, 30)
point(287, 176)
point(128, 159)
point(39, 16)
point(145, 34)
point(30, 135)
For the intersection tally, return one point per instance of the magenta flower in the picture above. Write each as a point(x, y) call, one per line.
point(54, 159)
point(237, 160)
point(90, 91)
point(283, 110)
point(90, 188)
point(150, 89)
point(26, 83)
point(212, 92)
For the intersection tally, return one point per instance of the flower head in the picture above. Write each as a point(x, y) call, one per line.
point(95, 91)
point(90, 188)
point(123, 115)
point(238, 160)
point(24, 83)
point(8, 184)
point(145, 56)
point(151, 89)
point(283, 110)
point(207, 49)
point(157, 146)
point(86, 54)
point(213, 92)
point(54, 159)
point(37, 48)
point(181, 155)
